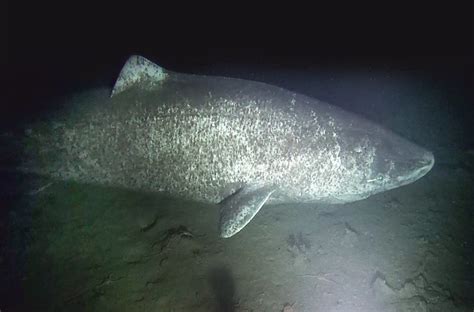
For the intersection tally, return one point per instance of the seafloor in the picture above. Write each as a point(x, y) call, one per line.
point(81, 247)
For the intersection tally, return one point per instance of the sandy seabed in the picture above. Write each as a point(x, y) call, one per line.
point(96, 249)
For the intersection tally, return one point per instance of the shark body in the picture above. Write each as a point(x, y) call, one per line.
point(235, 142)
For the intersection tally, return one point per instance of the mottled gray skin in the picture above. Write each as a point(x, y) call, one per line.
point(203, 138)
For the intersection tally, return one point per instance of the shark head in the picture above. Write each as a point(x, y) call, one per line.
point(386, 161)
point(398, 162)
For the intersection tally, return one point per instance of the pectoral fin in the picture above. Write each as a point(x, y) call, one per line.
point(237, 210)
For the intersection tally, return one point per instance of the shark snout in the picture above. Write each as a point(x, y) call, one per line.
point(419, 167)
point(427, 162)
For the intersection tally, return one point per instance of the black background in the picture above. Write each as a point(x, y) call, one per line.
point(53, 47)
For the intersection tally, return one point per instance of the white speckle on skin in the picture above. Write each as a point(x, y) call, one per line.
point(203, 137)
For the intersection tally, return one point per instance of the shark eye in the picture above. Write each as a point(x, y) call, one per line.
point(378, 178)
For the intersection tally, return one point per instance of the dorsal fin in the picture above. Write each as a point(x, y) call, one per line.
point(138, 69)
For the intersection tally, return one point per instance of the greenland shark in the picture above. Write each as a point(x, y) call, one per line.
point(237, 143)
